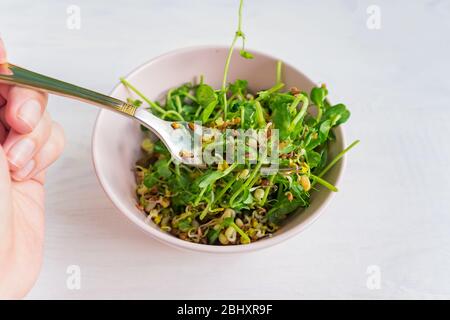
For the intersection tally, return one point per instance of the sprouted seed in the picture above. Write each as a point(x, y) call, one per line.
point(232, 204)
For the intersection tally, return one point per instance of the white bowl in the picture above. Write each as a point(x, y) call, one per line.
point(116, 139)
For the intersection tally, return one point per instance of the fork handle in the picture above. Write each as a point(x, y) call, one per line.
point(12, 74)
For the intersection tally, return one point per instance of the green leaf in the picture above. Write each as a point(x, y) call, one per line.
point(184, 225)
point(246, 54)
point(318, 95)
point(324, 130)
point(183, 90)
point(323, 159)
point(260, 115)
point(288, 148)
point(274, 96)
point(136, 103)
point(159, 147)
point(212, 176)
point(281, 118)
point(242, 198)
point(239, 87)
point(227, 222)
point(283, 207)
point(314, 158)
point(315, 139)
point(249, 199)
point(209, 178)
point(187, 109)
point(182, 198)
point(212, 235)
point(297, 130)
point(208, 110)
point(207, 98)
point(249, 115)
point(205, 95)
point(299, 194)
point(150, 180)
point(337, 114)
point(162, 168)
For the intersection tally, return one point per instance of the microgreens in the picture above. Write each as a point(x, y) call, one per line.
point(235, 203)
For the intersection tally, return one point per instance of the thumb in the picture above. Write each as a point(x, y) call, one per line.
point(5, 198)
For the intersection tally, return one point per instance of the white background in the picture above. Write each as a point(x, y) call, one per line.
point(393, 207)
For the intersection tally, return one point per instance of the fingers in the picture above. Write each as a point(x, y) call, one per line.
point(20, 149)
point(40, 177)
point(48, 154)
point(24, 109)
point(5, 181)
point(31, 141)
point(6, 217)
point(5, 193)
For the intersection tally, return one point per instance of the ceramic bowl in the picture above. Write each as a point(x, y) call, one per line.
point(116, 139)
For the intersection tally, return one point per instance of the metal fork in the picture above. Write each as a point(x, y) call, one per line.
point(177, 138)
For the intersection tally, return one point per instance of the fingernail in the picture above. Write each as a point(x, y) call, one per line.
point(21, 152)
point(30, 113)
point(25, 171)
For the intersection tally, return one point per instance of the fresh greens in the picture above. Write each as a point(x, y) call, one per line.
point(236, 203)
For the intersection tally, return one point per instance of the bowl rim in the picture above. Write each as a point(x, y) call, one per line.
point(174, 241)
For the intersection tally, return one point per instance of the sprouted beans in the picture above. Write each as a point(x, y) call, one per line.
point(231, 204)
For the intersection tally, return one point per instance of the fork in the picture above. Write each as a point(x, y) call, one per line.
point(178, 138)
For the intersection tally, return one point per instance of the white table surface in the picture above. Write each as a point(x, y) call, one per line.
point(393, 210)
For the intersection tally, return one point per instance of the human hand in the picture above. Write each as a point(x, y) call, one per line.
point(29, 142)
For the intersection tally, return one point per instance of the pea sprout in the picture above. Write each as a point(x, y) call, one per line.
point(231, 204)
